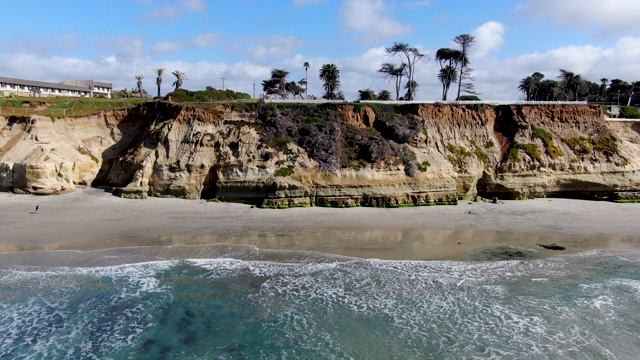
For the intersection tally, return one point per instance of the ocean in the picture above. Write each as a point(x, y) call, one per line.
point(241, 302)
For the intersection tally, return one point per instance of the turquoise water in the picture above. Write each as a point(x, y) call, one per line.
point(238, 302)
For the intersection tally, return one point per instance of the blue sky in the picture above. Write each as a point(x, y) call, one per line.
point(243, 40)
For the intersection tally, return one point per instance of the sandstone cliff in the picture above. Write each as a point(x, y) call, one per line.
point(330, 154)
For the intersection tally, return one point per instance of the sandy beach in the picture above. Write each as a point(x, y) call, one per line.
point(90, 219)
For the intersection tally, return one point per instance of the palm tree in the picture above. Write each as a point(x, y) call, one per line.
point(603, 86)
point(448, 60)
point(159, 72)
point(330, 76)
point(394, 72)
point(139, 84)
point(180, 78)
point(412, 89)
point(572, 84)
point(306, 78)
point(384, 95)
point(525, 87)
point(277, 84)
point(366, 94)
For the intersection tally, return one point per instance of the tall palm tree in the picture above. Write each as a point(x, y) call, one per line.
point(306, 78)
point(572, 83)
point(139, 84)
point(180, 78)
point(447, 75)
point(603, 86)
point(159, 72)
point(525, 87)
point(536, 78)
point(392, 71)
point(330, 76)
point(448, 60)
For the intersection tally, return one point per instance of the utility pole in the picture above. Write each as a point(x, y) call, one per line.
point(223, 79)
point(254, 90)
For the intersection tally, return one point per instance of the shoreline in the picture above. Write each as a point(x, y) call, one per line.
point(91, 219)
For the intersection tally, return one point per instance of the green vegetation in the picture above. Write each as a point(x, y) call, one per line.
point(514, 155)
point(607, 145)
point(422, 167)
point(459, 154)
point(629, 112)
point(580, 145)
point(284, 171)
point(533, 150)
point(57, 107)
point(85, 151)
point(552, 149)
point(489, 144)
point(208, 95)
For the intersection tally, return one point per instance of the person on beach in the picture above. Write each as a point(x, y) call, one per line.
point(37, 209)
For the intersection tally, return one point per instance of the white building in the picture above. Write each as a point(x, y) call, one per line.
point(71, 88)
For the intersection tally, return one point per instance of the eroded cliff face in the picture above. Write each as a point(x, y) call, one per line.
point(330, 155)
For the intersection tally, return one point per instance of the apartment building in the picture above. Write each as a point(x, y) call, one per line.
point(71, 88)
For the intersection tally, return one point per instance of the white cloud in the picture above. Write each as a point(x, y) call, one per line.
point(489, 37)
point(268, 48)
point(371, 20)
point(606, 18)
point(496, 79)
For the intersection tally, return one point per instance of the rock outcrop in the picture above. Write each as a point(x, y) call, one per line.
point(329, 154)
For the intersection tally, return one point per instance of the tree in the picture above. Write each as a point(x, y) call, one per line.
point(412, 56)
point(412, 89)
point(306, 78)
point(465, 41)
point(394, 72)
point(277, 84)
point(448, 60)
point(366, 94)
point(330, 76)
point(536, 78)
point(139, 84)
point(180, 78)
point(159, 72)
point(384, 95)
point(549, 90)
point(571, 83)
point(525, 87)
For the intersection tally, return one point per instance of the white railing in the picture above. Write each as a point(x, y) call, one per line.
point(487, 102)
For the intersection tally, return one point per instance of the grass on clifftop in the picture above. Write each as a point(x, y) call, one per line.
point(57, 107)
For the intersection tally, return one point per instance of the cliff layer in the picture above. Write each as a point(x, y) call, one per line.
point(329, 154)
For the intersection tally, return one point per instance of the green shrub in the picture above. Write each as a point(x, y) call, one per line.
point(607, 145)
point(423, 166)
point(284, 171)
point(489, 144)
point(533, 151)
point(514, 155)
point(552, 150)
point(483, 156)
point(459, 154)
point(580, 145)
point(629, 112)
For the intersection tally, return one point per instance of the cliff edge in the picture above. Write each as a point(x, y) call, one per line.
point(328, 154)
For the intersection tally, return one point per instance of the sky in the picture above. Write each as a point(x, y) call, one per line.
point(243, 40)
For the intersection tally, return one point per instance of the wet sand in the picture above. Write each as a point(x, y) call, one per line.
point(90, 219)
